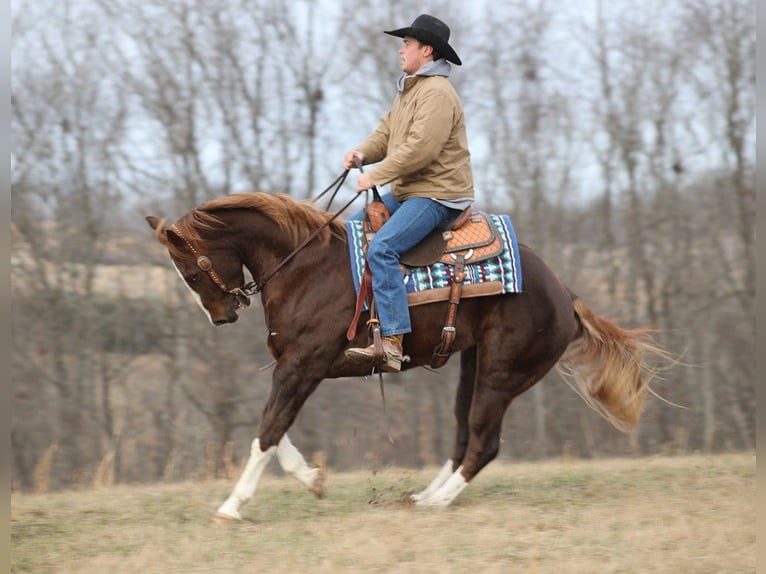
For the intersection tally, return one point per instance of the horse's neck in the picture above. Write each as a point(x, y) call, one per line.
point(269, 252)
point(259, 241)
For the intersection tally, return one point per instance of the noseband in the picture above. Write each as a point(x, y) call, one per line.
point(242, 294)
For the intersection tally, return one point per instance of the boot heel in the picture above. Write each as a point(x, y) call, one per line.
point(392, 365)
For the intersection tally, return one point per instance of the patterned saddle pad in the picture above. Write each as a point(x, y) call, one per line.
point(494, 274)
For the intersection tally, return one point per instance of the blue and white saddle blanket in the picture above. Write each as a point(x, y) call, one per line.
point(494, 276)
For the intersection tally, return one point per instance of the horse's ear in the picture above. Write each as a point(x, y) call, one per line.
point(165, 235)
point(174, 238)
point(153, 221)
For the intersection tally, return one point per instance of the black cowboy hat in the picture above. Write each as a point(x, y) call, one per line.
point(431, 31)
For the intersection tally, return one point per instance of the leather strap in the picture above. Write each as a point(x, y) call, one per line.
point(378, 355)
point(443, 351)
point(365, 294)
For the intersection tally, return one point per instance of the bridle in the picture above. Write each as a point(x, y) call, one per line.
point(243, 294)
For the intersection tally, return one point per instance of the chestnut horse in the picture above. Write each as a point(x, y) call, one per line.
point(507, 343)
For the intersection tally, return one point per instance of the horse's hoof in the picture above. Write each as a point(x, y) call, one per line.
point(222, 518)
point(318, 460)
point(318, 488)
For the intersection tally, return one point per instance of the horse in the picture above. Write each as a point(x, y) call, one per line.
point(296, 254)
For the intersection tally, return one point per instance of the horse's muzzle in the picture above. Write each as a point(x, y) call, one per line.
point(226, 313)
point(225, 320)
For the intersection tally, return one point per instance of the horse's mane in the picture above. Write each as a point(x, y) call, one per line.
point(296, 218)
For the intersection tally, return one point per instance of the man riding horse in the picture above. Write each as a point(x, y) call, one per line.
point(422, 150)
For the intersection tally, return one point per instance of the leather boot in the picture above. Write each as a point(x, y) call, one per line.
point(392, 350)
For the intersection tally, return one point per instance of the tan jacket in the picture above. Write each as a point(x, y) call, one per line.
point(421, 143)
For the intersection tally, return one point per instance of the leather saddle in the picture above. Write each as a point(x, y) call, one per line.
point(471, 237)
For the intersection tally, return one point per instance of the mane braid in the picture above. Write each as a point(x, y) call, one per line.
point(298, 219)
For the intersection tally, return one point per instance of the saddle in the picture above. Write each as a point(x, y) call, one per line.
point(469, 238)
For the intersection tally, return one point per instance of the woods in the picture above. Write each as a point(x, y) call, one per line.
point(619, 138)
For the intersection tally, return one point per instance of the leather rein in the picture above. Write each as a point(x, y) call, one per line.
point(243, 294)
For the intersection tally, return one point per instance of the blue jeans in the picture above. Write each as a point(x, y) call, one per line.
point(411, 221)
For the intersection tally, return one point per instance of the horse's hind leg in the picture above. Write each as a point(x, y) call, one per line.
point(493, 393)
point(485, 424)
point(462, 408)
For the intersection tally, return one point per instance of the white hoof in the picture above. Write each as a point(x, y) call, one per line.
point(227, 515)
point(436, 483)
point(445, 494)
point(433, 502)
point(421, 496)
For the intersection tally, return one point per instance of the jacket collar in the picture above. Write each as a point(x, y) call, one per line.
point(439, 67)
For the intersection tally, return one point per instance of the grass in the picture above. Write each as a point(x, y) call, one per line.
point(682, 514)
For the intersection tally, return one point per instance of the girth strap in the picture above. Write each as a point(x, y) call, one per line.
point(443, 351)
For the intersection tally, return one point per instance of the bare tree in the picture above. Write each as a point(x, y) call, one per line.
point(67, 122)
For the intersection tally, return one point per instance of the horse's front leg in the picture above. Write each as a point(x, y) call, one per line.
point(293, 463)
point(247, 483)
point(289, 390)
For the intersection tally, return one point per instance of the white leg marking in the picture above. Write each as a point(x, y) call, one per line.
point(447, 492)
point(295, 465)
point(440, 479)
point(196, 296)
point(245, 487)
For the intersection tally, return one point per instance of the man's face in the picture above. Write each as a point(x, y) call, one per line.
point(414, 54)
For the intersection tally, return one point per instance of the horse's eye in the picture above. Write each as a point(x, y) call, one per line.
point(194, 278)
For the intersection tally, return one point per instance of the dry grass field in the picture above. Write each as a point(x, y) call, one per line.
point(644, 515)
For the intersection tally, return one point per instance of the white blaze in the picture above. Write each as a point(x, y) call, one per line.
point(196, 296)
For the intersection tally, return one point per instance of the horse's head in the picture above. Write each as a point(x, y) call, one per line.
point(212, 271)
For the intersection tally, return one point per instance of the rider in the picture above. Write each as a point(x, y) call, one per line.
point(422, 150)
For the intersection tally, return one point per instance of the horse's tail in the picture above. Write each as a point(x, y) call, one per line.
point(610, 367)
